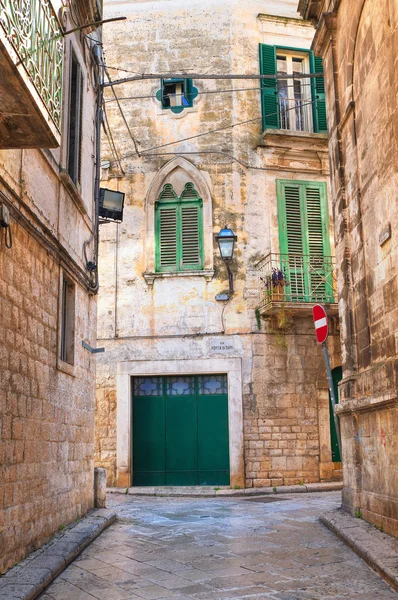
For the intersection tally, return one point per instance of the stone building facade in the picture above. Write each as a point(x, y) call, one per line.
point(197, 385)
point(47, 379)
point(359, 43)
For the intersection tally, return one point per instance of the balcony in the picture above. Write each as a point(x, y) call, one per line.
point(296, 282)
point(31, 59)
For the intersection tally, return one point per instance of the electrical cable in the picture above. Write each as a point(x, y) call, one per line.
point(122, 113)
point(198, 76)
point(129, 71)
point(186, 95)
point(130, 154)
point(111, 142)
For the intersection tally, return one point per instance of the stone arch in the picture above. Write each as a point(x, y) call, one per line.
point(352, 46)
point(178, 172)
point(352, 41)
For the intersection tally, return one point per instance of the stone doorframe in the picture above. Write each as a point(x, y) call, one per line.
point(127, 370)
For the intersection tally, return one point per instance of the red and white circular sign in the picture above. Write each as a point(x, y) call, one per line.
point(321, 323)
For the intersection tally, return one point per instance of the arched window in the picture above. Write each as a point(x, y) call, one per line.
point(179, 230)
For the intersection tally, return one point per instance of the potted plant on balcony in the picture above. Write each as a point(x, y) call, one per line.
point(274, 283)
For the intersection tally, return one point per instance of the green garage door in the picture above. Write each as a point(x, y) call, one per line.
point(180, 430)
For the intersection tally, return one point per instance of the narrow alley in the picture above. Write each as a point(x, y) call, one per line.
point(207, 549)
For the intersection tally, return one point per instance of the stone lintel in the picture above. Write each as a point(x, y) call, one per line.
point(294, 140)
point(265, 18)
point(208, 274)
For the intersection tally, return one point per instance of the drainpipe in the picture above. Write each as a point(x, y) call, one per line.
point(92, 266)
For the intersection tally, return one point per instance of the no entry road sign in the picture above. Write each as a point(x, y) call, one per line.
point(321, 323)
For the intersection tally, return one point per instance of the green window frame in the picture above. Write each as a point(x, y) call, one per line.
point(179, 230)
point(188, 96)
point(269, 88)
point(304, 240)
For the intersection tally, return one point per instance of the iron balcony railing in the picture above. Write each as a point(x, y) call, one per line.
point(32, 28)
point(296, 278)
point(295, 114)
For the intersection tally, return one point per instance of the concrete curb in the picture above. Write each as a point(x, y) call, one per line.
point(379, 550)
point(210, 492)
point(28, 579)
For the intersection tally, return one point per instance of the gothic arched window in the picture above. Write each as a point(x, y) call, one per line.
point(179, 230)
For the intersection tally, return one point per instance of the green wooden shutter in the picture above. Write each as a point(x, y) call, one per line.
point(167, 246)
point(318, 95)
point(319, 269)
point(191, 229)
point(314, 219)
point(291, 238)
point(269, 88)
point(304, 239)
point(190, 237)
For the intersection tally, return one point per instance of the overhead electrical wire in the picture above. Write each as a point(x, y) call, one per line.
point(129, 70)
point(231, 126)
point(111, 142)
point(198, 76)
point(186, 95)
point(123, 115)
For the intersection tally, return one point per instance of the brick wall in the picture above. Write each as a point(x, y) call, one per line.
point(283, 416)
point(46, 416)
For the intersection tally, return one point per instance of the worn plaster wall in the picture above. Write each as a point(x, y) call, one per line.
point(147, 317)
point(359, 45)
point(46, 406)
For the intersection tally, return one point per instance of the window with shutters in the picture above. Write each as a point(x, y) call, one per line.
point(292, 104)
point(179, 230)
point(305, 256)
point(176, 94)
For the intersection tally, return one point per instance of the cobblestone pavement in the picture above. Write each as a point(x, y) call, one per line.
point(227, 548)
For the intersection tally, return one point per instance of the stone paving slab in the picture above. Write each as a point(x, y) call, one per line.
point(28, 579)
point(214, 492)
point(225, 548)
point(378, 549)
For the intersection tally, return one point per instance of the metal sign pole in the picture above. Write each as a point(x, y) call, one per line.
point(332, 395)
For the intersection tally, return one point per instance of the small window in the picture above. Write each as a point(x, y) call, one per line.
point(176, 94)
point(75, 121)
point(67, 347)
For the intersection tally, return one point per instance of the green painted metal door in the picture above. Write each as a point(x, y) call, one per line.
point(180, 430)
point(337, 375)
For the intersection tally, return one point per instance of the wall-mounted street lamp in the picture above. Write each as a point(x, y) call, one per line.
point(226, 242)
point(111, 204)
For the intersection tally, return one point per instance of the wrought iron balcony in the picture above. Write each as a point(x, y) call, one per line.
point(296, 281)
point(31, 59)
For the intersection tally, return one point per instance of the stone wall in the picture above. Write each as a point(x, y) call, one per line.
point(287, 413)
point(46, 406)
point(46, 446)
point(359, 44)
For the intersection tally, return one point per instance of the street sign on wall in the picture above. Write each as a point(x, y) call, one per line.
point(321, 323)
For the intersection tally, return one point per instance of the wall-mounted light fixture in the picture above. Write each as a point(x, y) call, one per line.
point(111, 205)
point(226, 242)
